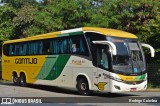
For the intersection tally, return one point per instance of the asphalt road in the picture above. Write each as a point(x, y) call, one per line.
point(72, 98)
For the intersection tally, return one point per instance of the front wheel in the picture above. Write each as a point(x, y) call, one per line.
point(83, 87)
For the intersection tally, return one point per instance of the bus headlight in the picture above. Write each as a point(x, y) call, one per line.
point(117, 87)
point(113, 78)
point(116, 79)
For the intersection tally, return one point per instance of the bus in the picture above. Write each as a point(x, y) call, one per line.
point(85, 59)
point(1, 41)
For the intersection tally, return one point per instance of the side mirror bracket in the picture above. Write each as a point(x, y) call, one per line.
point(150, 47)
point(111, 45)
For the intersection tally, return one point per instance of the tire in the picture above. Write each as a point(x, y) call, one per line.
point(23, 80)
point(83, 87)
point(15, 80)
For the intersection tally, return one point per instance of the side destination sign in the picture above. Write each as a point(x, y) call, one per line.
point(26, 61)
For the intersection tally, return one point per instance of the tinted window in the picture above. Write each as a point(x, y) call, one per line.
point(90, 36)
point(74, 44)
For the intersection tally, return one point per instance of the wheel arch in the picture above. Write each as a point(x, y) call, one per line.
point(15, 72)
point(84, 76)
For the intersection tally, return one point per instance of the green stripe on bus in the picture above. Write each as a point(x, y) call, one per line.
point(62, 35)
point(58, 67)
point(139, 78)
point(75, 33)
point(47, 66)
point(143, 76)
point(70, 34)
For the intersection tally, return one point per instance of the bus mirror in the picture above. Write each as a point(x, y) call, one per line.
point(111, 45)
point(150, 47)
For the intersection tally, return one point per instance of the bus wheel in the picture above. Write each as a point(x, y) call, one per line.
point(23, 80)
point(82, 86)
point(15, 80)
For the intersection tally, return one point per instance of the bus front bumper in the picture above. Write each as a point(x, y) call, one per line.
point(123, 87)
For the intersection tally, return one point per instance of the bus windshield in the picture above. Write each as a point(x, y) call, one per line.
point(129, 58)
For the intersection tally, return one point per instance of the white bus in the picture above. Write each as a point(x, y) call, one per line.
point(87, 59)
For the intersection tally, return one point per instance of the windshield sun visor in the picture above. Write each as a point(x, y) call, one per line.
point(133, 46)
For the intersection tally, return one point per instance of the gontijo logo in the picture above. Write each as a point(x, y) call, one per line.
point(19, 100)
point(26, 61)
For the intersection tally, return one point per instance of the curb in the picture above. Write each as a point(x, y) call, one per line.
point(4, 81)
point(153, 90)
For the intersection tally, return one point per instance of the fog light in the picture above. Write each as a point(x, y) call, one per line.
point(145, 86)
point(117, 87)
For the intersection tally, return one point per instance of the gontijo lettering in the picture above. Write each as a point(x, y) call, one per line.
point(26, 61)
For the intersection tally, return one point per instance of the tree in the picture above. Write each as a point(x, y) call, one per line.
point(23, 20)
point(60, 15)
point(7, 13)
point(138, 17)
point(19, 3)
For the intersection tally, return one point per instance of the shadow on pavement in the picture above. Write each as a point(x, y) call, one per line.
point(73, 92)
point(68, 91)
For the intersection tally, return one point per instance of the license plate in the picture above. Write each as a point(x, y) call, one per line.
point(133, 89)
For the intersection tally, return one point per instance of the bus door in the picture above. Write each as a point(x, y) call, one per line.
point(102, 54)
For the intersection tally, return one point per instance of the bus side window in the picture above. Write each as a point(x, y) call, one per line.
point(56, 47)
point(63, 46)
point(46, 47)
point(6, 50)
point(40, 43)
point(102, 58)
point(22, 49)
point(77, 45)
point(74, 45)
point(52, 46)
point(59, 46)
point(11, 50)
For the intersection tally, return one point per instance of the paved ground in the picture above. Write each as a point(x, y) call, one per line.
point(58, 94)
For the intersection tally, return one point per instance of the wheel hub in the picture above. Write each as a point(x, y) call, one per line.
point(15, 79)
point(83, 86)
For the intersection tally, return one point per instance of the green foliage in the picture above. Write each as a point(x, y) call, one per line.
point(7, 13)
point(22, 18)
point(19, 3)
point(149, 85)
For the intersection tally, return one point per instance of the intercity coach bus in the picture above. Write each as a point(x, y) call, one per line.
point(87, 59)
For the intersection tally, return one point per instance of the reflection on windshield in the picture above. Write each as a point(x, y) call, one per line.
point(135, 52)
point(102, 57)
point(129, 56)
point(122, 57)
point(136, 56)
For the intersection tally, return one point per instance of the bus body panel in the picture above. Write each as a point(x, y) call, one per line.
point(63, 69)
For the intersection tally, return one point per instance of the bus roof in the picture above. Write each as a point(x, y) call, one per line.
point(104, 31)
point(111, 32)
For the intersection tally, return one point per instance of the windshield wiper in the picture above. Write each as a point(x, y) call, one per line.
point(134, 60)
point(138, 66)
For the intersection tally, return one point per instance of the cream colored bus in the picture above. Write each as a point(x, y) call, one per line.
point(87, 59)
